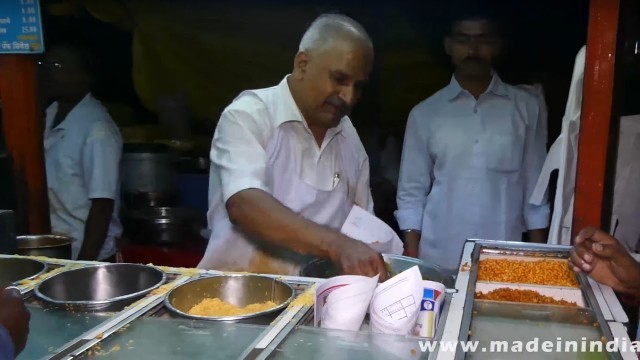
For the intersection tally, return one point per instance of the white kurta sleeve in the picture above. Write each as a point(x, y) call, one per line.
point(238, 147)
point(414, 182)
point(363, 196)
point(535, 216)
point(101, 161)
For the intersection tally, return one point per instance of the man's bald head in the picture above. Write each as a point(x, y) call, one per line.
point(330, 70)
point(329, 28)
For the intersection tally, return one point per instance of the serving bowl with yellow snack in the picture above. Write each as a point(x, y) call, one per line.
point(231, 297)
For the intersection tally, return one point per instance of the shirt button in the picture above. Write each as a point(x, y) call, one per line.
point(476, 141)
point(475, 111)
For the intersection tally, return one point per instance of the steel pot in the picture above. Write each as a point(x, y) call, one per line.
point(14, 270)
point(52, 246)
point(324, 269)
point(148, 168)
point(109, 287)
point(165, 225)
point(236, 289)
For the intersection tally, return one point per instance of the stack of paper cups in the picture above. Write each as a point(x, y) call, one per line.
point(432, 299)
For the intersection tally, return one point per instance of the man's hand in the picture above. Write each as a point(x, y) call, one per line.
point(96, 228)
point(412, 244)
point(14, 317)
point(538, 236)
point(606, 261)
point(356, 258)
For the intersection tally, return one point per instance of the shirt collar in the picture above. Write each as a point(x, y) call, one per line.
point(496, 87)
point(287, 109)
point(52, 110)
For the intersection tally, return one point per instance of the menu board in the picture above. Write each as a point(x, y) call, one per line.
point(20, 27)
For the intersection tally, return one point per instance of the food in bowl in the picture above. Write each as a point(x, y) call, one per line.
point(540, 272)
point(218, 308)
point(521, 295)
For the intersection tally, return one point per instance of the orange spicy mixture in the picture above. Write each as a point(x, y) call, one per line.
point(518, 295)
point(541, 272)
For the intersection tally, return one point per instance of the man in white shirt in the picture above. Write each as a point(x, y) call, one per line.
point(83, 148)
point(288, 165)
point(472, 155)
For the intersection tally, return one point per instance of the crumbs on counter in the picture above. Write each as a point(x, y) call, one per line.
point(179, 270)
point(306, 299)
point(465, 267)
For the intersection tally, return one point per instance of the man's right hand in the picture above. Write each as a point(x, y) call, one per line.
point(356, 258)
point(14, 317)
point(606, 261)
point(411, 244)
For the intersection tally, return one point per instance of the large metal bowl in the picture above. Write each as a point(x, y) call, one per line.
point(13, 270)
point(52, 246)
point(108, 287)
point(324, 269)
point(236, 289)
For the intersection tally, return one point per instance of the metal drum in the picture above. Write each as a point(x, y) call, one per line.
point(52, 246)
point(324, 269)
point(109, 287)
point(236, 289)
point(14, 270)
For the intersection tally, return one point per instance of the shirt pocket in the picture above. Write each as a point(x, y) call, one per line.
point(504, 152)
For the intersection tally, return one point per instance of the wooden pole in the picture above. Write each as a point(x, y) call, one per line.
point(596, 121)
point(23, 131)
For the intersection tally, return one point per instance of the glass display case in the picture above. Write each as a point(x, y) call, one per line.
point(478, 309)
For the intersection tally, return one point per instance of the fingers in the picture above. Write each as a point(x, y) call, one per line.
point(586, 233)
point(12, 291)
point(581, 259)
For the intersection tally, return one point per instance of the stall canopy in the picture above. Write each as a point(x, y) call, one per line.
point(210, 51)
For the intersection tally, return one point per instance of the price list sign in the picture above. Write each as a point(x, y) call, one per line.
point(20, 27)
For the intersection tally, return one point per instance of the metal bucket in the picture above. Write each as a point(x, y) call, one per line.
point(324, 269)
point(109, 287)
point(52, 246)
point(236, 289)
point(14, 270)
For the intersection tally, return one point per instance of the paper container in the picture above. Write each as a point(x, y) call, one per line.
point(429, 315)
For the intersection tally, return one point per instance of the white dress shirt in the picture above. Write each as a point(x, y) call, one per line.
point(263, 142)
point(468, 168)
point(82, 156)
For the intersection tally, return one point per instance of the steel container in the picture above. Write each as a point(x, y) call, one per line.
point(109, 287)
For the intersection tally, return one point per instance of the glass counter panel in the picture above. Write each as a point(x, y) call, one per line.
point(313, 343)
point(161, 338)
point(496, 324)
point(49, 329)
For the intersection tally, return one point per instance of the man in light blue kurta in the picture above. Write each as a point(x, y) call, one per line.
point(472, 155)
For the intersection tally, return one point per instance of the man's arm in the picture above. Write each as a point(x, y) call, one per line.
point(535, 151)
point(363, 196)
point(6, 345)
point(414, 183)
point(101, 165)
point(96, 228)
point(238, 151)
point(14, 323)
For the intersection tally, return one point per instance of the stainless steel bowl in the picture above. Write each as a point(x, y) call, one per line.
point(52, 246)
point(236, 289)
point(13, 270)
point(108, 287)
point(324, 269)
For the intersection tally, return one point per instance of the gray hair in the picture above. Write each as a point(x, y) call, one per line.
point(327, 27)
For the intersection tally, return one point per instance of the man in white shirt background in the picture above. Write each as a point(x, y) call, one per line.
point(288, 165)
point(472, 154)
point(83, 148)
